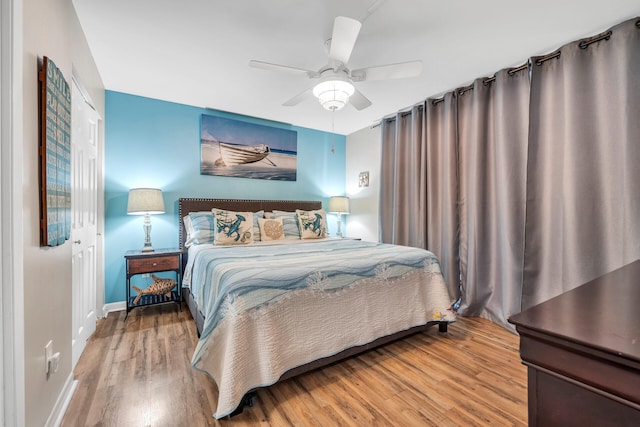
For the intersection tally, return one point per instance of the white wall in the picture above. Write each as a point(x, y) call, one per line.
point(363, 154)
point(51, 29)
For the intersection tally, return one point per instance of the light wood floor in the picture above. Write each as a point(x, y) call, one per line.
point(138, 374)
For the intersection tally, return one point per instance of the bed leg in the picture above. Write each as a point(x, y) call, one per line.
point(248, 399)
point(442, 327)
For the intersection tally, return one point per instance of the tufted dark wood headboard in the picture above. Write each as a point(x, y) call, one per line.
point(186, 205)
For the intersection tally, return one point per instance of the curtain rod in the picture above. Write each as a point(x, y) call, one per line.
point(584, 43)
point(511, 72)
point(461, 91)
point(419, 106)
point(524, 66)
point(543, 59)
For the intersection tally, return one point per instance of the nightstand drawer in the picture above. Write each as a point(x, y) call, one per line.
point(151, 264)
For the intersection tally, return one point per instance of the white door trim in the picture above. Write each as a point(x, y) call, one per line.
point(11, 247)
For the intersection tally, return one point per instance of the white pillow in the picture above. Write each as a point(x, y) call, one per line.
point(188, 227)
point(271, 229)
point(232, 228)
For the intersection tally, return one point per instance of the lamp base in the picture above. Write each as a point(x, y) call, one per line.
point(339, 233)
point(147, 234)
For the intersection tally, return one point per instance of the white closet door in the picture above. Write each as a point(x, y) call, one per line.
point(84, 220)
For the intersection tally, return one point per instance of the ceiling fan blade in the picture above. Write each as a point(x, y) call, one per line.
point(302, 96)
point(345, 33)
point(391, 71)
point(359, 101)
point(276, 67)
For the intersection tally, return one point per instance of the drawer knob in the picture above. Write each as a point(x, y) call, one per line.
point(155, 263)
point(77, 242)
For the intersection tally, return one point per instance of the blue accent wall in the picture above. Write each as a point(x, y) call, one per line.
point(153, 143)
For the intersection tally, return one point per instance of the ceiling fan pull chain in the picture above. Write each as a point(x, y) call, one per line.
point(333, 135)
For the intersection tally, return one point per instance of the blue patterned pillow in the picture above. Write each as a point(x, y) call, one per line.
point(257, 236)
point(290, 223)
point(199, 226)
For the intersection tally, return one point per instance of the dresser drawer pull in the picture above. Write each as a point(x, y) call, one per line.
point(155, 263)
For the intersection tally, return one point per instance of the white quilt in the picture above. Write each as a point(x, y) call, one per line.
point(252, 344)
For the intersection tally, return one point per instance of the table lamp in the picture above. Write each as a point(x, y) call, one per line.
point(147, 202)
point(339, 205)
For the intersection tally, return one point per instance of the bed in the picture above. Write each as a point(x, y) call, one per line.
point(269, 310)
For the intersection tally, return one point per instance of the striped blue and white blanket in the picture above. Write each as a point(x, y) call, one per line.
point(271, 307)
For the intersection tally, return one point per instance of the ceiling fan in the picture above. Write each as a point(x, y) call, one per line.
point(335, 87)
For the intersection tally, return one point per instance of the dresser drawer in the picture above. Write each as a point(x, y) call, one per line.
point(151, 264)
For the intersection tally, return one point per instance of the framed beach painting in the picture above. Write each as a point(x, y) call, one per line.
point(247, 150)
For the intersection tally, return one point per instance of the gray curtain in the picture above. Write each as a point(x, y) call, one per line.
point(524, 188)
point(402, 196)
point(441, 158)
point(418, 191)
point(583, 189)
point(493, 123)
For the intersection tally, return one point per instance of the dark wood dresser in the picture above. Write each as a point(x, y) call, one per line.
point(582, 349)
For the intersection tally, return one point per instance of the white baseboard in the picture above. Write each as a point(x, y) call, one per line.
point(59, 409)
point(114, 306)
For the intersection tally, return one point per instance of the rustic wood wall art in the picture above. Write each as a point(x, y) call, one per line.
point(54, 100)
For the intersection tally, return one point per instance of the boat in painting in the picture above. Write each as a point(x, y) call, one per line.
point(232, 154)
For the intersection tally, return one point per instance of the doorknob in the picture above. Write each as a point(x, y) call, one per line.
point(77, 242)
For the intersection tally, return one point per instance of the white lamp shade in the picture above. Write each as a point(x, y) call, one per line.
point(145, 201)
point(333, 94)
point(339, 204)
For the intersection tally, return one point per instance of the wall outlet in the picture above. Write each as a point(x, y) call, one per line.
point(54, 362)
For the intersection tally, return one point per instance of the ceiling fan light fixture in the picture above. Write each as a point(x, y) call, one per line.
point(333, 94)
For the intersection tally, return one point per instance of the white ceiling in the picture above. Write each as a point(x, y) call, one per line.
point(196, 52)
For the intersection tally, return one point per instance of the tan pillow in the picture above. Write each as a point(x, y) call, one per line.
point(271, 229)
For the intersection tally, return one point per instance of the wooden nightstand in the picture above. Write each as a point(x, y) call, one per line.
point(138, 262)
